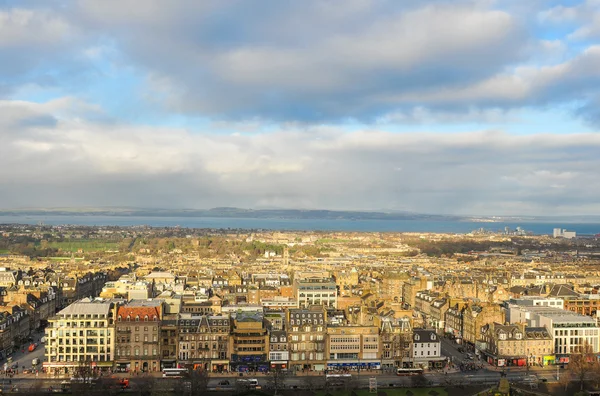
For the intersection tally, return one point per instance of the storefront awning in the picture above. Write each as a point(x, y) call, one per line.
point(104, 364)
point(220, 361)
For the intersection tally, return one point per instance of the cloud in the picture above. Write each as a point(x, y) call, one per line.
point(76, 161)
point(312, 62)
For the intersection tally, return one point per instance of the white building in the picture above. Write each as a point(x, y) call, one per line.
point(560, 233)
point(529, 301)
point(571, 332)
point(426, 345)
point(316, 291)
point(82, 332)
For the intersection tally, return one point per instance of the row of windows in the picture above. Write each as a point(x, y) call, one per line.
point(310, 315)
point(345, 347)
point(136, 351)
point(345, 339)
point(137, 339)
point(309, 321)
point(137, 318)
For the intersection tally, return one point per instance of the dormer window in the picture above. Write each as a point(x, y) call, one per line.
point(417, 338)
point(502, 336)
point(432, 337)
point(518, 336)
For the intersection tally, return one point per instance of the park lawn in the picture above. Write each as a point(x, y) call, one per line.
point(389, 392)
point(64, 258)
point(4, 251)
point(85, 245)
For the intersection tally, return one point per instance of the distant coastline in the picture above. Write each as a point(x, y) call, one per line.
point(291, 214)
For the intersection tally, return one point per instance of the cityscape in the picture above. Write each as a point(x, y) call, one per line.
point(132, 306)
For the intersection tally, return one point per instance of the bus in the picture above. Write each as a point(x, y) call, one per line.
point(250, 383)
point(337, 379)
point(174, 372)
point(409, 371)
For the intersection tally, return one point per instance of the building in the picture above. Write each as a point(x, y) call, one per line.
point(137, 336)
point(81, 333)
point(204, 342)
point(249, 342)
point(396, 334)
point(517, 345)
point(475, 316)
point(538, 301)
point(426, 349)
point(353, 347)
point(572, 333)
point(315, 291)
point(560, 233)
point(306, 329)
point(391, 286)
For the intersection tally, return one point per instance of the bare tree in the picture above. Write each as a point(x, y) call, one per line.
point(145, 384)
point(582, 365)
point(565, 379)
point(313, 383)
point(198, 380)
point(84, 376)
point(276, 380)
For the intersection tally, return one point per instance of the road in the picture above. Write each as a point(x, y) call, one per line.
point(28, 382)
point(24, 358)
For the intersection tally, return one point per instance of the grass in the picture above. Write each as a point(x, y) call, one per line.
point(64, 258)
point(389, 392)
point(333, 240)
point(4, 251)
point(85, 245)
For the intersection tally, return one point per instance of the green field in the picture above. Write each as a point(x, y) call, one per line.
point(64, 258)
point(4, 251)
point(391, 392)
point(86, 246)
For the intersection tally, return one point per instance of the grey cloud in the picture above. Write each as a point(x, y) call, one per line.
point(79, 162)
point(307, 61)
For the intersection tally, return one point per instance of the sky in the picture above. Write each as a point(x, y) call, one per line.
point(476, 107)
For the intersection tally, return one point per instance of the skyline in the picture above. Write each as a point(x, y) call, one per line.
point(474, 107)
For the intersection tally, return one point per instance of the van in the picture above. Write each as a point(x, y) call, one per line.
point(35, 361)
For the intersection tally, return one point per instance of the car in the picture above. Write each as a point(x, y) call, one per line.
point(544, 379)
point(224, 383)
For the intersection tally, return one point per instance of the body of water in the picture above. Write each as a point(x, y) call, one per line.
point(301, 224)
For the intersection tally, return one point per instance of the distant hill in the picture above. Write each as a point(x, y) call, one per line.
point(228, 212)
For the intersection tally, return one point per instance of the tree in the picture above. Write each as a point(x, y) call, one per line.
point(85, 373)
point(198, 380)
point(276, 380)
point(312, 383)
point(583, 364)
point(145, 384)
point(419, 380)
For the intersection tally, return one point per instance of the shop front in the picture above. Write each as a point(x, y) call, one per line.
point(548, 359)
point(60, 369)
point(506, 361)
point(249, 363)
point(220, 366)
point(122, 367)
point(168, 364)
point(562, 359)
point(279, 365)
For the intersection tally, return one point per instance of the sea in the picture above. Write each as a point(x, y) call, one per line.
point(457, 227)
